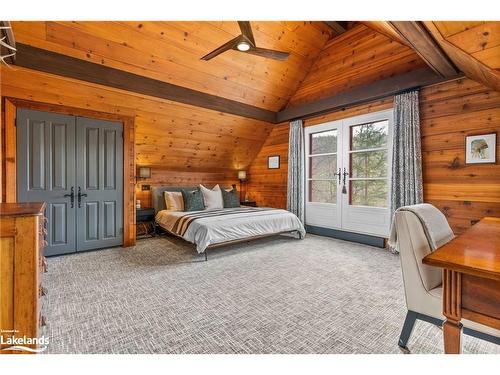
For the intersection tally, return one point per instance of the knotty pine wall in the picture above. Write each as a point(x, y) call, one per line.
point(184, 145)
point(356, 58)
point(449, 112)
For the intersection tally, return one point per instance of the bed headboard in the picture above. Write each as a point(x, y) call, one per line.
point(157, 195)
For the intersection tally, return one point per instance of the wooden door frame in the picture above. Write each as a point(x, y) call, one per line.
point(9, 189)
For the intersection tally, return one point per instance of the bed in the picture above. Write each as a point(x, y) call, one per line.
point(212, 228)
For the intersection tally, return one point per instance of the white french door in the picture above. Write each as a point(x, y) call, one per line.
point(348, 174)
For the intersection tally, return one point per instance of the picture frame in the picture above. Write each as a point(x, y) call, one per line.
point(273, 162)
point(480, 149)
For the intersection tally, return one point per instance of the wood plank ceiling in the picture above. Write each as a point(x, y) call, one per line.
point(171, 52)
point(354, 59)
point(472, 46)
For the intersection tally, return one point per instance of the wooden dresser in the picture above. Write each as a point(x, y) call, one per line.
point(22, 238)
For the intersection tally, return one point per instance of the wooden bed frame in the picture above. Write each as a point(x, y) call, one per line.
point(159, 204)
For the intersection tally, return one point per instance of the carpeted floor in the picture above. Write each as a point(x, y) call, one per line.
point(277, 295)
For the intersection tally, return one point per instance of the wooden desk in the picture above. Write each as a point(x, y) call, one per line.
point(471, 279)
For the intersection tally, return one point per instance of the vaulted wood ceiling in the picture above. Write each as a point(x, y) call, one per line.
point(472, 46)
point(353, 59)
point(171, 52)
point(176, 136)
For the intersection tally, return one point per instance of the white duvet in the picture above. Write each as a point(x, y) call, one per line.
point(209, 227)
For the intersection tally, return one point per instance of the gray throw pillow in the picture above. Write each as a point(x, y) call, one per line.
point(193, 200)
point(231, 198)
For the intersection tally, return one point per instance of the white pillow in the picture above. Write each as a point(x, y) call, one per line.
point(213, 198)
point(174, 200)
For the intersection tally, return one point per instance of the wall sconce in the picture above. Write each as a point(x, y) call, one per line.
point(144, 173)
point(242, 176)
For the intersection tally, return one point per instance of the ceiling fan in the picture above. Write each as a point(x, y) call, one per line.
point(246, 43)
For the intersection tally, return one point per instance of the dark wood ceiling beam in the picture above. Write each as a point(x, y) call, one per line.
point(374, 91)
point(66, 66)
point(62, 65)
point(338, 26)
point(10, 40)
point(425, 46)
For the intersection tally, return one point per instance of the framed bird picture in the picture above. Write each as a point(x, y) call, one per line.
point(480, 149)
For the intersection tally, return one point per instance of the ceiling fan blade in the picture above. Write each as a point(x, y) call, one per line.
point(246, 30)
point(225, 47)
point(269, 53)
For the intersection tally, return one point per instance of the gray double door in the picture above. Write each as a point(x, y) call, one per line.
point(75, 165)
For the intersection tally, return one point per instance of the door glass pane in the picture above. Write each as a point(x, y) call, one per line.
point(369, 164)
point(368, 136)
point(323, 191)
point(324, 142)
point(323, 166)
point(369, 193)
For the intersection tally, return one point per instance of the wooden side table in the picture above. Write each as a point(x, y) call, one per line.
point(144, 220)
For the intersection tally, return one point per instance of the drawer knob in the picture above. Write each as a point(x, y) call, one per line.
point(42, 291)
point(44, 266)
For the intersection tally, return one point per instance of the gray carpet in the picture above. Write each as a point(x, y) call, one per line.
point(278, 295)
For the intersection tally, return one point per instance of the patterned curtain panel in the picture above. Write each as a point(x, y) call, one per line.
point(406, 152)
point(295, 197)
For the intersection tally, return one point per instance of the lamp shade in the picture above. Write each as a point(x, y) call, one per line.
point(242, 175)
point(144, 172)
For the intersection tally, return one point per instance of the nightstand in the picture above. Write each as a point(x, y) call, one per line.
point(144, 220)
point(249, 203)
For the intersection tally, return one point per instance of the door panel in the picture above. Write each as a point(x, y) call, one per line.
point(368, 175)
point(357, 200)
point(58, 233)
point(100, 178)
point(58, 159)
point(109, 219)
point(46, 172)
point(323, 159)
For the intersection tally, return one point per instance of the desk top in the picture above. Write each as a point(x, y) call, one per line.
point(475, 252)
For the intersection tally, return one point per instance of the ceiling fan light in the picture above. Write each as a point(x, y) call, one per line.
point(243, 46)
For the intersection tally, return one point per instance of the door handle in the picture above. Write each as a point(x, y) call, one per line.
point(71, 197)
point(80, 195)
point(339, 175)
point(345, 174)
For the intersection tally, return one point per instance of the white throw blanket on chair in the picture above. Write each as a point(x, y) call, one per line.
point(436, 227)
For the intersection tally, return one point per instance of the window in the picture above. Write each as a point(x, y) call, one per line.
point(322, 160)
point(368, 182)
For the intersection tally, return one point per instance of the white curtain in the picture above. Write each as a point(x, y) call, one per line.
point(295, 196)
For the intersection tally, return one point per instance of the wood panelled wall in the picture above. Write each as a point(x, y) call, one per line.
point(181, 143)
point(353, 59)
point(449, 112)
